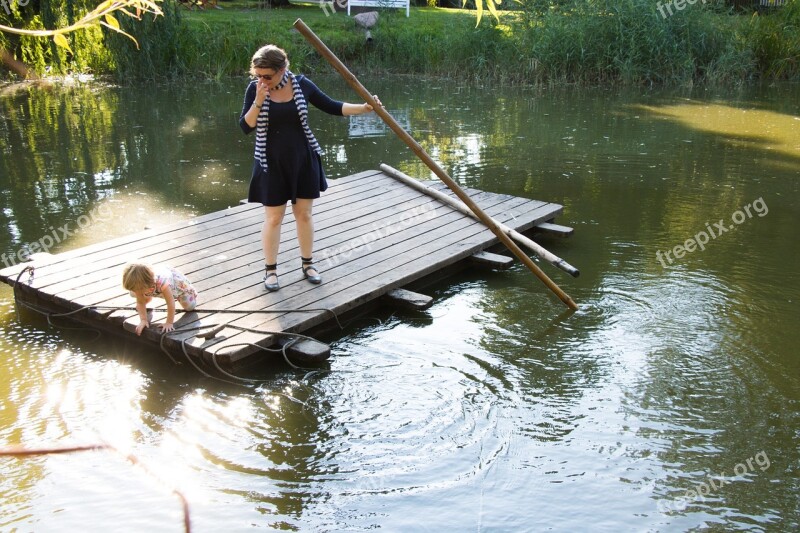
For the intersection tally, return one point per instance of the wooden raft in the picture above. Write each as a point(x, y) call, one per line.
point(372, 235)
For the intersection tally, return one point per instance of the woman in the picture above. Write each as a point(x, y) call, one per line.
point(287, 156)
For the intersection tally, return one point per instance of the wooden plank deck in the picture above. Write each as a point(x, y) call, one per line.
point(372, 235)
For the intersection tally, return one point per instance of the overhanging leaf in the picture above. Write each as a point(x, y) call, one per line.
point(61, 41)
point(112, 21)
point(100, 15)
point(492, 9)
point(118, 30)
point(479, 9)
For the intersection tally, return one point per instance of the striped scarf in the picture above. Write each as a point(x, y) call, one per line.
point(263, 122)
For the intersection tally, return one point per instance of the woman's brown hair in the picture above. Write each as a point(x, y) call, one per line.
point(269, 56)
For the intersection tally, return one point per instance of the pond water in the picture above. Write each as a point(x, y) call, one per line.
point(668, 402)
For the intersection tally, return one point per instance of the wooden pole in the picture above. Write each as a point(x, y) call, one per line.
point(315, 41)
point(535, 247)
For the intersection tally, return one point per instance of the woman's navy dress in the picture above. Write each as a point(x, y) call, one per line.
point(294, 170)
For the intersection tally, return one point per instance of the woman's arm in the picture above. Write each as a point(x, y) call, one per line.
point(319, 99)
point(333, 107)
point(254, 98)
point(357, 109)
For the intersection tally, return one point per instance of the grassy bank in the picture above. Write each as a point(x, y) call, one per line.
point(219, 43)
point(585, 42)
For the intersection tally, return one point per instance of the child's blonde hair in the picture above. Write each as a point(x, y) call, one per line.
point(138, 276)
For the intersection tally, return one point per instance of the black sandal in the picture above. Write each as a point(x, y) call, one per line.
point(271, 270)
point(308, 264)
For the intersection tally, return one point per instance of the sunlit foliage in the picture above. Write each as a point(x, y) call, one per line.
point(102, 15)
point(24, 24)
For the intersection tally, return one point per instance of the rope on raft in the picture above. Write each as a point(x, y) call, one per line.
point(209, 330)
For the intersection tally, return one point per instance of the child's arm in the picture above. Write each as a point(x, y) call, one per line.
point(141, 309)
point(167, 293)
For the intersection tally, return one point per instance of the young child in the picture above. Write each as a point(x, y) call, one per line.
point(144, 282)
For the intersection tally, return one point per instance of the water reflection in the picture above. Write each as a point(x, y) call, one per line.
point(489, 411)
point(205, 444)
point(372, 125)
point(738, 127)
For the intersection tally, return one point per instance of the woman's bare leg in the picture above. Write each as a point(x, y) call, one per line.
point(305, 228)
point(271, 233)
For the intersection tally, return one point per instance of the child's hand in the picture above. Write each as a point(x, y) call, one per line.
point(166, 327)
point(142, 324)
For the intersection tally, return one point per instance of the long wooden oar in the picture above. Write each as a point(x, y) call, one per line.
point(420, 152)
point(535, 247)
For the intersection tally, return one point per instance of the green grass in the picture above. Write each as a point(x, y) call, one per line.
point(625, 42)
point(584, 42)
point(221, 42)
point(433, 41)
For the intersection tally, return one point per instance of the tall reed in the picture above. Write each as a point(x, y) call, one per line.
point(775, 41)
point(586, 42)
point(629, 42)
point(160, 42)
point(449, 46)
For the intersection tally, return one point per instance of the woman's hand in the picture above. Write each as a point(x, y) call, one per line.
point(262, 92)
point(368, 107)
